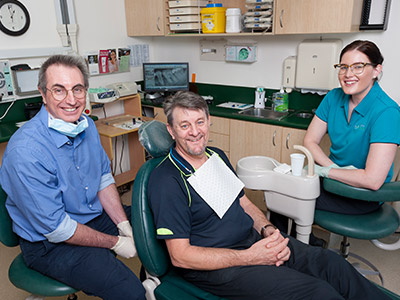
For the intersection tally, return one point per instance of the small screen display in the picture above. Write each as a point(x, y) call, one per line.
point(165, 77)
point(106, 95)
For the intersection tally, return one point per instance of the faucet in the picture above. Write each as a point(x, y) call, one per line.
point(309, 158)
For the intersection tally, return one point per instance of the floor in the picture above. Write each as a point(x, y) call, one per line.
point(388, 262)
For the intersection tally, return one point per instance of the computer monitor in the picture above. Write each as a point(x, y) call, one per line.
point(165, 77)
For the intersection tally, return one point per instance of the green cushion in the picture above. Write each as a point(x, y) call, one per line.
point(152, 252)
point(388, 192)
point(155, 138)
point(34, 282)
point(378, 224)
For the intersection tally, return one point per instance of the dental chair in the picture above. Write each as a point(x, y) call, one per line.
point(162, 282)
point(372, 226)
point(19, 274)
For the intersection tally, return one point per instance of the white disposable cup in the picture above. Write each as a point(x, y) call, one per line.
point(297, 161)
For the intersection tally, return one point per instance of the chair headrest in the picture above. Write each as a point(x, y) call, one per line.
point(155, 138)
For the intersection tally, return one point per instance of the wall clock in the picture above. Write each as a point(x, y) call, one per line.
point(14, 17)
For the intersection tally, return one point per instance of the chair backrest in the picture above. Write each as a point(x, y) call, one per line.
point(7, 235)
point(152, 252)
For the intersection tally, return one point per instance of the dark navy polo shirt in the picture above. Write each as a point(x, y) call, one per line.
point(179, 212)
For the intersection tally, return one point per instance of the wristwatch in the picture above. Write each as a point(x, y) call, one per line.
point(265, 227)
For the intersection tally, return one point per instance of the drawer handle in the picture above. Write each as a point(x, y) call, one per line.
point(287, 141)
point(158, 23)
point(210, 141)
point(273, 138)
point(281, 17)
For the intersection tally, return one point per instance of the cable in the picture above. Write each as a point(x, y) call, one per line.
point(9, 107)
point(115, 151)
point(122, 154)
point(104, 111)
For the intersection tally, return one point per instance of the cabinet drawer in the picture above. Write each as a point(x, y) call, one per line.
point(220, 141)
point(219, 125)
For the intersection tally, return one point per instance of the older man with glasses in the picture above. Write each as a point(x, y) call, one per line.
point(62, 196)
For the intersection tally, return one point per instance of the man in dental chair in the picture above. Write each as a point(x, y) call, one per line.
point(219, 240)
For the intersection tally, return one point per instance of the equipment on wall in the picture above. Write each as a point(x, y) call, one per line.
point(6, 86)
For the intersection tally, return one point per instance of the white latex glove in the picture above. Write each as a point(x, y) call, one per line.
point(323, 171)
point(125, 229)
point(125, 247)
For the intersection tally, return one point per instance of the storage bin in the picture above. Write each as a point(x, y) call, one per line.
point(213, 18)
point(232, 20)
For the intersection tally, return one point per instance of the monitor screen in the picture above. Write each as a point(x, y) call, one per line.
point(165, 77)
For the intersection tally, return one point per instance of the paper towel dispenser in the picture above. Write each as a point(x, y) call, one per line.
point(314, 67)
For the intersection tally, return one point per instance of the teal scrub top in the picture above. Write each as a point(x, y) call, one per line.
point(376, 119)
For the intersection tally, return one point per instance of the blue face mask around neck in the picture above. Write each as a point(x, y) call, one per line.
point(67, 128)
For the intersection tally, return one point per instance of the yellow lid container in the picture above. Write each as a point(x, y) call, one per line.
point(213, 18)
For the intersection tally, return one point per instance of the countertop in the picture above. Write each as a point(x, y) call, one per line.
point(292, 120)
point(7, 129)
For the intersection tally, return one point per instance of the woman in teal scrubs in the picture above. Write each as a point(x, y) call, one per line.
point(363, 123)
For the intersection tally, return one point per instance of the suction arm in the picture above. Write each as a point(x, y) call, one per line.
point(309, 158)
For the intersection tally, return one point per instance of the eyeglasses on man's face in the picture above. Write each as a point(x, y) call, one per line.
point(60, 93)
point(356, 68)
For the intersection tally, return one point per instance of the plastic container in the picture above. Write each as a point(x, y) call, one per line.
point(213, 18)
point(281, 101)
point(232, 20)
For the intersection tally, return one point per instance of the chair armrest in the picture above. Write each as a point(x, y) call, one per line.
point(388, 192)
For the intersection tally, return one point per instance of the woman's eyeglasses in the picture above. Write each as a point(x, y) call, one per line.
point(356, 68)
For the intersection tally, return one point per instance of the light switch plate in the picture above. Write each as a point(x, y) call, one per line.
point(212, 49)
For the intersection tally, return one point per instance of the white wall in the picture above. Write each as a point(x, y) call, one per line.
point(272, 50)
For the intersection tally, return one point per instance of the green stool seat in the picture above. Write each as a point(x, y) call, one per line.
point(378, 224)
point(34, 282)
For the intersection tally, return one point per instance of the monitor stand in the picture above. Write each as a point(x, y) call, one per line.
point(155, 98)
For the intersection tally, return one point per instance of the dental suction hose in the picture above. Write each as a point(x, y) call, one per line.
point(309, 158)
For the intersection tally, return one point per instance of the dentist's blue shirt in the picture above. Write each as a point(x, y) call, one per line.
point(375, 120)
point(51, 181)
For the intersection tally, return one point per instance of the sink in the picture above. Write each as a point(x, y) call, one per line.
point(263, 113)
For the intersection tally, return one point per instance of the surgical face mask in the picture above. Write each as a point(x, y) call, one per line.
point(67, 128)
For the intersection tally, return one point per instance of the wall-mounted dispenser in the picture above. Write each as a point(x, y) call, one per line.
point(314, 67)
point(289, 72)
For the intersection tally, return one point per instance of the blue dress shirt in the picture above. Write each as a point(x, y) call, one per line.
point(51, 181)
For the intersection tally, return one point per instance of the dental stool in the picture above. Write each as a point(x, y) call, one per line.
point(20, 275)
point(284, 193)
point(162, 282)
point(375, 225)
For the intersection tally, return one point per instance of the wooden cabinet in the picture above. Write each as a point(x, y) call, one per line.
point(317, 16)
point(151, 17)
point(145, 17)
point(220, 134)
point(250, 138)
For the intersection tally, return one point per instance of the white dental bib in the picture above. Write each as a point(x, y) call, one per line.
point(216, 184)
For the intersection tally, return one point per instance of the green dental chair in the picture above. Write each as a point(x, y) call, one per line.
point(162, 282)
point(372, 226)
point(22, 276)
